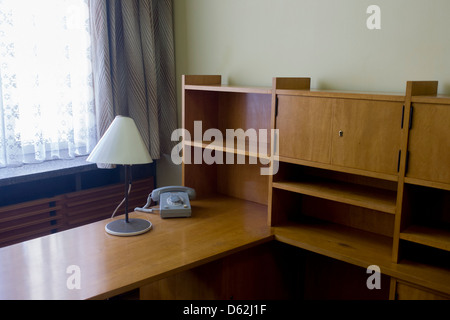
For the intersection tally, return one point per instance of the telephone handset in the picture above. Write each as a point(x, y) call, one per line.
point(173, 201)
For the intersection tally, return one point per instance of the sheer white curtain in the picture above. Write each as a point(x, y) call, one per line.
point(47, 106)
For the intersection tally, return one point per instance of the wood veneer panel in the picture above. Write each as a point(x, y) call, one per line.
point(304, 125)
point(371, 135)
point(429, 144)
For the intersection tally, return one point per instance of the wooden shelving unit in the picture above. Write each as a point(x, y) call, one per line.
point(216, 106)
point(348, 181)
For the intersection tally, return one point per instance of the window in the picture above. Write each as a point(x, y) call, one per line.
point(46, 93)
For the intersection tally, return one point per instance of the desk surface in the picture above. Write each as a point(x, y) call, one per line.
point(110, 265)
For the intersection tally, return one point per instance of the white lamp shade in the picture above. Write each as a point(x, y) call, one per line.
point(121, 144)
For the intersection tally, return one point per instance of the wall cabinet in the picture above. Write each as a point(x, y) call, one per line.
point(363, 178)
point(354, 133)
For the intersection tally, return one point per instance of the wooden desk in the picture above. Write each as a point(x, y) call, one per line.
point(112, 265)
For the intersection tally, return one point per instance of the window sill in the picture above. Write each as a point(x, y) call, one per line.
point(48, 169)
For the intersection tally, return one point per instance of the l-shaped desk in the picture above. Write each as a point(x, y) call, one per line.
point(225, 247)
point(87, 263)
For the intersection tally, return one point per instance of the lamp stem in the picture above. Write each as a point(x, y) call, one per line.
point(127, 186)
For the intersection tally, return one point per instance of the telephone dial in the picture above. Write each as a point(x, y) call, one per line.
point(173, 201)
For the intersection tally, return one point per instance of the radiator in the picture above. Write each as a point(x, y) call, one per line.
point(42, 217)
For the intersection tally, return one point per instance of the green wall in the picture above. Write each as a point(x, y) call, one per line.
point(250, 41)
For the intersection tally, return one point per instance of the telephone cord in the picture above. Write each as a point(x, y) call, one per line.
point(120, 204)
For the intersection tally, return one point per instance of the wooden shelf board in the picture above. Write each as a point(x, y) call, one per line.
point(439, 99)
point(339, 242)
point(229, 88)
point(426, 183)
point(219, 146)
point(362, 196)
point(425, 275)
point(379, 96)
point(433, 237)
point(328, 166)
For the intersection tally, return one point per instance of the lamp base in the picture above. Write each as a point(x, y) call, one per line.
point(122, 228)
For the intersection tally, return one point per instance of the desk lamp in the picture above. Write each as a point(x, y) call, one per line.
point(123, 145)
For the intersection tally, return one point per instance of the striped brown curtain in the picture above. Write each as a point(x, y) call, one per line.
point(134, 67)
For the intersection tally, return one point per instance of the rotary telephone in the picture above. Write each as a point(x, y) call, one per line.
point(173, 201)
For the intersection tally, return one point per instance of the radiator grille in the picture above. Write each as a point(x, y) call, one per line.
point(38, 218)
